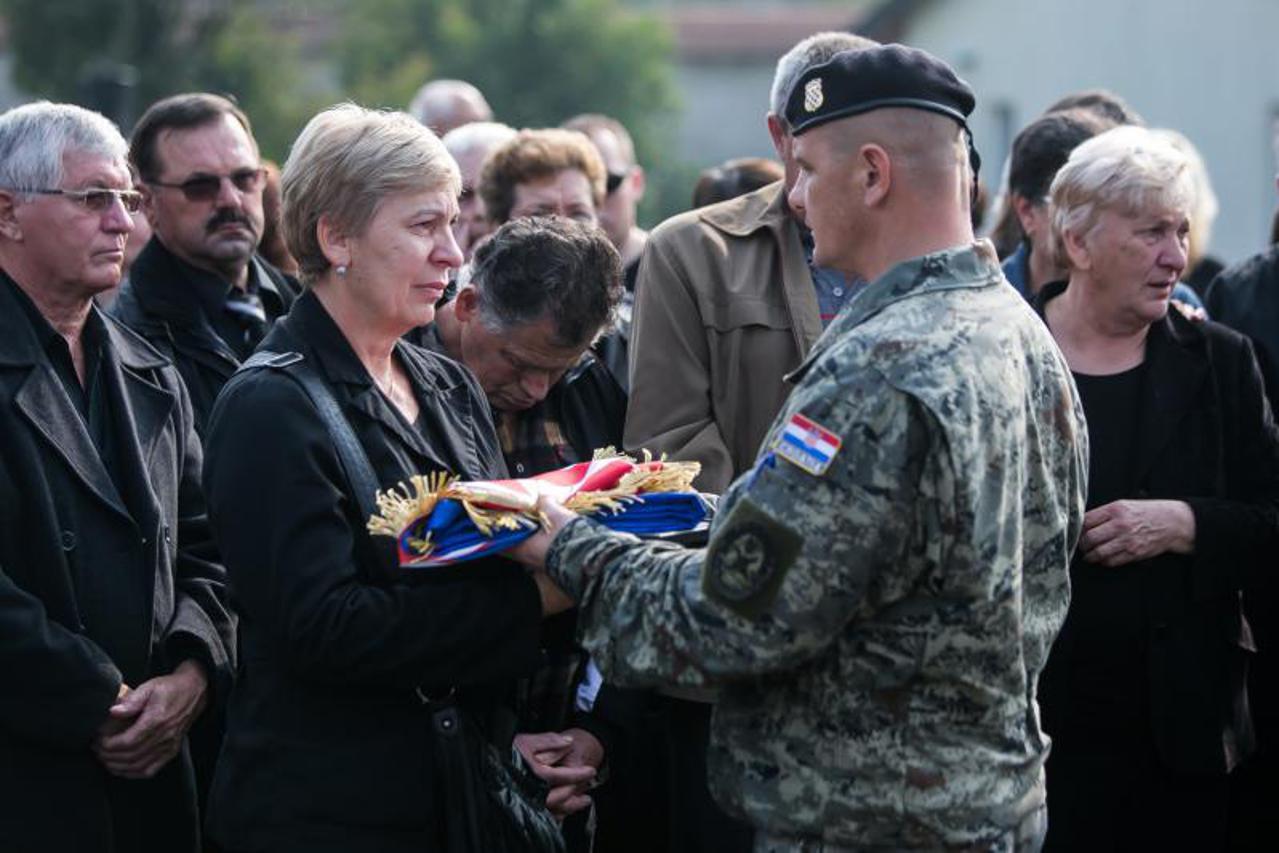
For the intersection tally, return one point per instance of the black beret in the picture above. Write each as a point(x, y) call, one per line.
point(861, 80)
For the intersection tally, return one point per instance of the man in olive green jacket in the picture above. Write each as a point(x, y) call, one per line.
point(726, 304)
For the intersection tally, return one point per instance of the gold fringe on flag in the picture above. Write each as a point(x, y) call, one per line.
point(406, 504)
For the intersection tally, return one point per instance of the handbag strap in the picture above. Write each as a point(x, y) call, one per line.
point(355, 462)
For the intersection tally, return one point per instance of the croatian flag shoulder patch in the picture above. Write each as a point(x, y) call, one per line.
point(807, 444)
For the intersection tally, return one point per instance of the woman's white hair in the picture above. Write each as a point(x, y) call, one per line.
point(35, 137)
point(1127, 170)
point(1204, 206)
point(344, 163)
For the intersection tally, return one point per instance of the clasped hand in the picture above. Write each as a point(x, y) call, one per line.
point(144, 728)
point(566, 761)
point(1126, 531)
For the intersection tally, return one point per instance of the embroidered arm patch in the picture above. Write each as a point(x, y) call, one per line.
point(748, 558)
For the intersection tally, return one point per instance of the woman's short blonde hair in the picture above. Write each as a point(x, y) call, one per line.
point(1127, 170)
point(346, 161)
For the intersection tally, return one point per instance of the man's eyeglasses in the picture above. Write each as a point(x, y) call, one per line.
point(207, 187)
point(614, 180)
point(98, 199)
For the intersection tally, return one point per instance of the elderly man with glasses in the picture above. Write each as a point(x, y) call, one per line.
point(115, 635)
point(199, 292)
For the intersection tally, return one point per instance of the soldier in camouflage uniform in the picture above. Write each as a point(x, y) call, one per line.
point(881, 590)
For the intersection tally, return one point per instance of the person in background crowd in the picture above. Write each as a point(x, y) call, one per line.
point(1040, 149)
point(730, 292)
point(470, 145)
point(624, 187)
point(881, 589)
point(1107, 107)
point(199, 292)
point(541, 290)
point(1144, 693)
point(549, 172)
point(1245, 297)
point(115, 634)
point(734, 178)
point(543, 172)
point(272, 247)
point(328, 745)
point(1038, 152)
point(444, 105)
point(1102, 103)
point(728, 301)
point(1201, 268)
point(623, 191)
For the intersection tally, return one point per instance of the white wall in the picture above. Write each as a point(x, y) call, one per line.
point(1209, 68)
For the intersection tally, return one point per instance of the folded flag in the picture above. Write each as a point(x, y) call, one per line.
point(438, 520)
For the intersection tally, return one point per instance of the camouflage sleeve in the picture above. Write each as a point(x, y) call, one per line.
point(793, 556)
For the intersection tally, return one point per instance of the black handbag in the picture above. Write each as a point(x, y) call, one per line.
point(492, 803)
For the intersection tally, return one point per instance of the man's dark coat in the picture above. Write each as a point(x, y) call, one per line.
point(158, 302)
point(98, 585)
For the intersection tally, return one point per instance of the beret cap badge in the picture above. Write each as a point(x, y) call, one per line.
point(813, 97)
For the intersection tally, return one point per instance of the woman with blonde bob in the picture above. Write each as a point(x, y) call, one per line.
point(329, 746)
point(1144, 690)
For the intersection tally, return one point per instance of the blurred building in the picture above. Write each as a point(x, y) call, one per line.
point(1209, 70)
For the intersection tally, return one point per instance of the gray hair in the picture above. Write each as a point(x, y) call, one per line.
point(1127, 170)
point(534, 268)
point(478, 135)
point(1204, 206)
point(344, 163)
point(437, 100)
point(814, 50)
point(34, 139)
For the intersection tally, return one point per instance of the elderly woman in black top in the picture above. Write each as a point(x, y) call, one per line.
point(1144, 690)
point(328, 745)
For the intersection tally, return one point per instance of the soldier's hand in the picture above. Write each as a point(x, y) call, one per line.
point(1125, 531)
point(554, 599)
point(532, 551)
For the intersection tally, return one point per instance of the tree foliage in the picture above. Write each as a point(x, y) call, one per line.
point(119, 56)
point(537, 61)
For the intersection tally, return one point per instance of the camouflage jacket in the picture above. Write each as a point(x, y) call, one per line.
point(879, 626)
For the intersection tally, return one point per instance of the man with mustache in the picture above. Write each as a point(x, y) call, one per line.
point(199, 292)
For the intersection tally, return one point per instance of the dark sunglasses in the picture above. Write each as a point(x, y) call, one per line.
point(614, 180)
point(99, 199)
point(207, 187)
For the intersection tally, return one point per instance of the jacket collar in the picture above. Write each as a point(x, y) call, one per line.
point(143, 408)
point(1177, 365)
point(309, 326)
point(170, 288)
point(766, 209)
point(960, 268)
point(20, 345)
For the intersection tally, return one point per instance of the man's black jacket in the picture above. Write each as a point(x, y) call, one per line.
point(101, 581)
point(328, 747)
point(159, 302)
